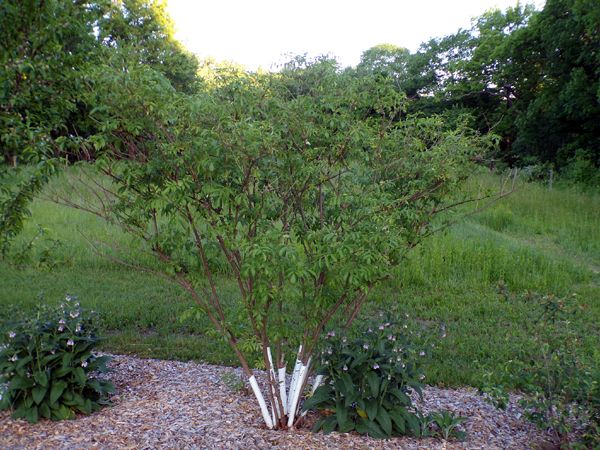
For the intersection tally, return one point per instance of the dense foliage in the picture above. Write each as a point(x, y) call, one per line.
point(47, 368)
point(533, 77)
point(368, 382)
point(560, 391)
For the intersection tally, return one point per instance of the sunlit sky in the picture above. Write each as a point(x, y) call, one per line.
point(259, 33)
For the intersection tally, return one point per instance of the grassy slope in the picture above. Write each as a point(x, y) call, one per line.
point(547, 241)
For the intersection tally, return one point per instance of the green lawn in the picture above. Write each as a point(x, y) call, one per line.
point(535, 239)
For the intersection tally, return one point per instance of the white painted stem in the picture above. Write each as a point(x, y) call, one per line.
point(261, 402)
point(294, 382)
point(318, 382)
point(282, 389)
point(274, 403)
point(297, 392)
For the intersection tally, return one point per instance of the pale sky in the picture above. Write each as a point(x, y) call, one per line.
point(258, 33)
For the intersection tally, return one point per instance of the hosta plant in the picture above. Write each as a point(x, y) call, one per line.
point(47, 369)
point(367, 382)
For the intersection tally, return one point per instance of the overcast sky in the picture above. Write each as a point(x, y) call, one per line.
point(258, 33)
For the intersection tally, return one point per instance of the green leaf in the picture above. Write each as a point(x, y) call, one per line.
point(38, 393)
point(44, 410)
point(362, 425)
point(371, 409)
point(404, 399)
point(375, 431)
point(61, 413)
point(413, 424)
point(398, 420)
point(373, 380)
point(341, 412)
point(383, 418)
point(20, 382)
point(66, 360)
point(329, 424)
point(23, 361)
point(56, 391)
point(41, 378)
point(59, 373)
point(80, 376)
point(323, 394)
point(32, 415)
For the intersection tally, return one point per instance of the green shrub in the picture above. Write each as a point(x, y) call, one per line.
point(368, 382)
point(47, 365)
point(561, 392)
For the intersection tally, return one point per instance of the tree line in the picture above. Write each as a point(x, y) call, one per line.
point(531, 77)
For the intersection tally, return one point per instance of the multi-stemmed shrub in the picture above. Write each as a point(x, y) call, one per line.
point(308, 185)
point(47, 368)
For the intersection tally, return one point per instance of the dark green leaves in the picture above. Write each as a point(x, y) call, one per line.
point(47, 365)
point(368, 382)
point(56, 390)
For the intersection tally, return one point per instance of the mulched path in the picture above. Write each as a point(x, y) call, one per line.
point(188, 405)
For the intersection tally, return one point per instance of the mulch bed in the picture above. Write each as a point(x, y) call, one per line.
point(188, 405)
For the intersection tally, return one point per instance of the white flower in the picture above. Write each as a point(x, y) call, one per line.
point(421, 353)
point(345, 368)
point(68, 298)
point(14, 358)
point(381, 327)
point(62, 321)
point(331, 334)
point(422, 377)
point(84, 364)
point(70, 342)
point(366, 346)
point(329, 351)
point(61, 328)
point(74, 314)
point(344, 340)
point(12, 334)
point(375, 366)
point(405, 326)
point(78, 328)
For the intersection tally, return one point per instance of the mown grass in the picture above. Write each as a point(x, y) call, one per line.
point(535, 239)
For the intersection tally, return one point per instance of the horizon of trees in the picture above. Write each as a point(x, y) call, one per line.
point(530, 77)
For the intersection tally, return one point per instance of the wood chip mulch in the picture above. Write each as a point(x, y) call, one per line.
point(171, 404)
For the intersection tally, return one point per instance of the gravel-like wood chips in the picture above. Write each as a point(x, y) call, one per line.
point(171, 404)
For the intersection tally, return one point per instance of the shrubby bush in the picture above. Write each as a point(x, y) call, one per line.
point(368, 382)
point(47, 369)
point(561, 391)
